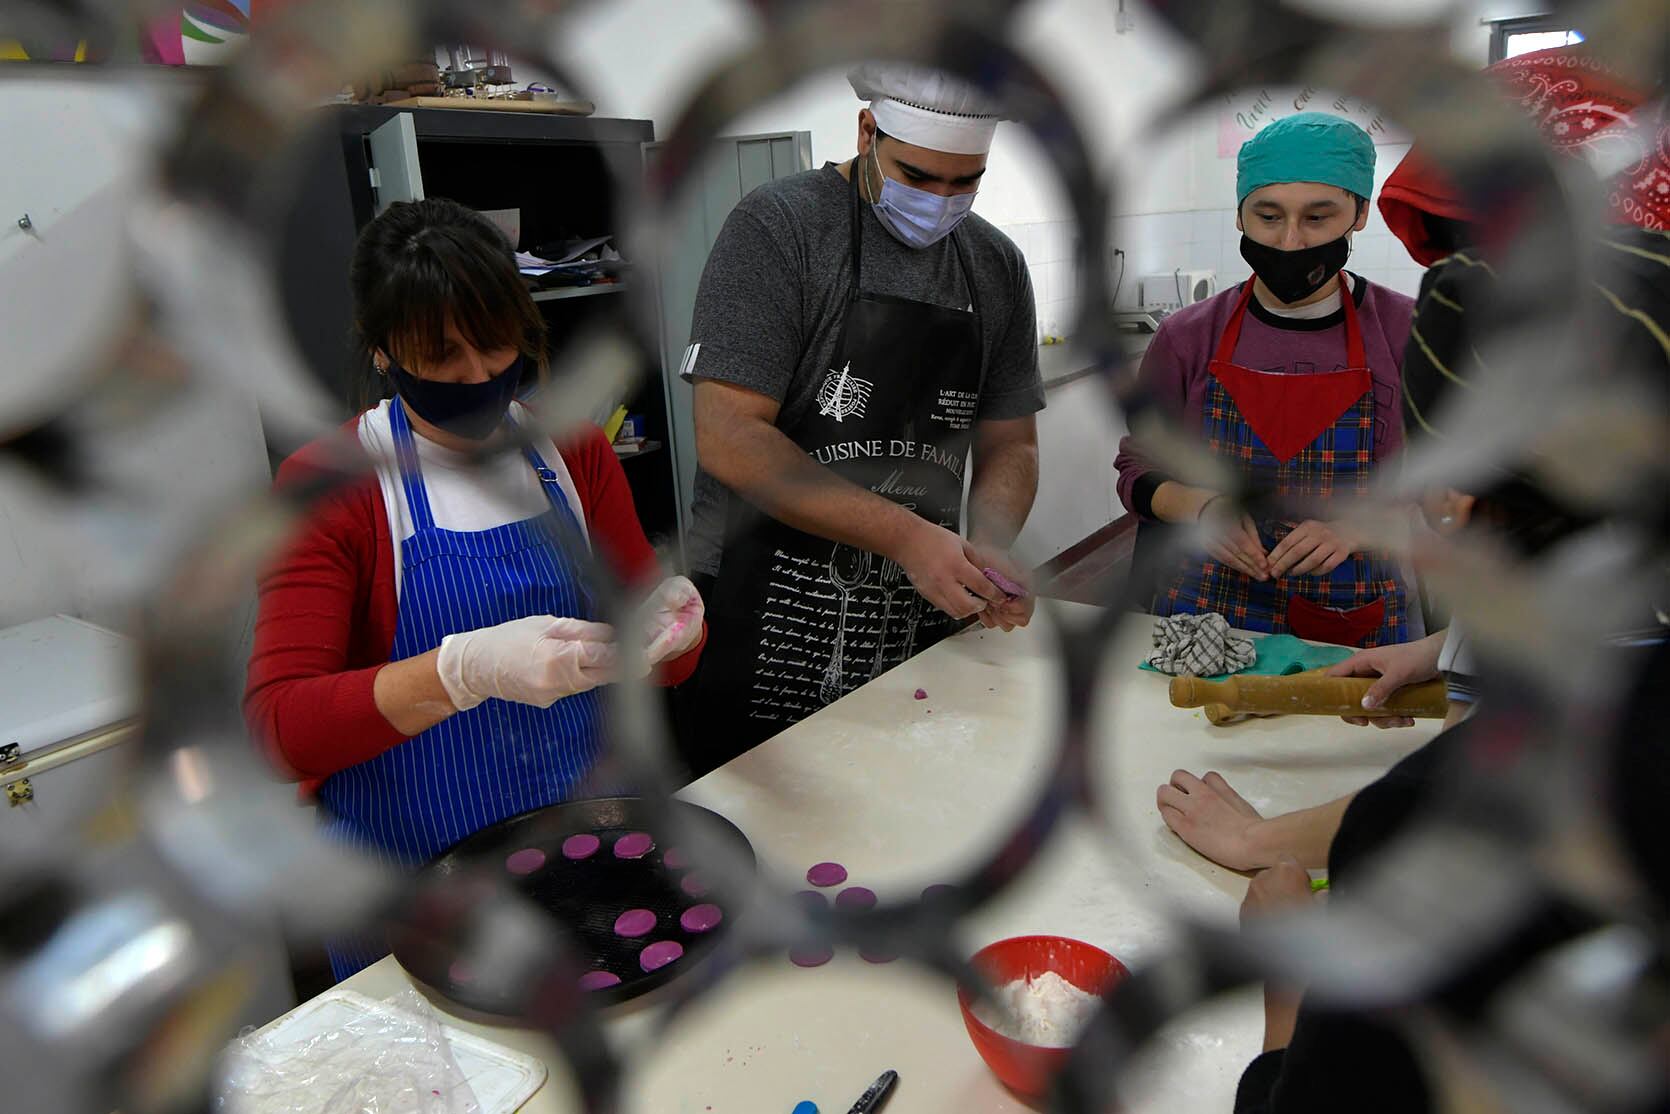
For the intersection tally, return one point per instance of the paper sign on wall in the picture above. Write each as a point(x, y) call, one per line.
point(1246, 112)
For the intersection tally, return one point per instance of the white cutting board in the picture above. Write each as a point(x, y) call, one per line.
point(501, 1078)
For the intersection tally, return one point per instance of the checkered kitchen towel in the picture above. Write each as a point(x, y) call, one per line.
point(1199, 645)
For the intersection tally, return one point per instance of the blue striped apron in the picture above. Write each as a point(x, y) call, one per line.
point(499, 758)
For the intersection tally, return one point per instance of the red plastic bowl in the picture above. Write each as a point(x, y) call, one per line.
point(1028, 1069)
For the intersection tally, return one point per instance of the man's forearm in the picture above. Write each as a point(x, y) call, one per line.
point(1001, 492)
point(774, 474)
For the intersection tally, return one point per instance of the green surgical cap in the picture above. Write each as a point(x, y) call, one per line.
point(1307, 147)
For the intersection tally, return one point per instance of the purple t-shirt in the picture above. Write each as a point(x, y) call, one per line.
point(1175, 373)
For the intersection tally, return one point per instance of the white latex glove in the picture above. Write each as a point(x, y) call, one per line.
point(672, 619)
point(537, 660)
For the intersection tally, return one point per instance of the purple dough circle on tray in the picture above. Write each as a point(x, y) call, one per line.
point(871, 955)
point(634, 845)
point(599, 980)
point(696, 885)
point(855, 897)
point(634, 923)
point(659, 954)
point(701, 918)
point(525, 861)
point(813, 955)
point(582, 846)
point(936, 892)
point(812, 900)
point(675, 859)
point(827, 874)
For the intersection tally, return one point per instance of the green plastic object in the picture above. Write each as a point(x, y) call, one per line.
point(1281, 654)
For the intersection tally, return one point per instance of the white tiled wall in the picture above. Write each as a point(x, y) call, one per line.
point(1048, 247)
point(1156, 243)
point(1159, 242)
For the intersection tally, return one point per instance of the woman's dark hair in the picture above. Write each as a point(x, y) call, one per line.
point(419, 263)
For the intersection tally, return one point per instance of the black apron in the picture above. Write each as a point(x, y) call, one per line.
point(796, 621)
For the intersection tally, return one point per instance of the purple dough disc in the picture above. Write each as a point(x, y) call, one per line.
point(876, 955)
point(921, 694)
point(694, 884)
point(634, 923)
point(701, 918)
point(634, 845)
point(1008, 587)
point(582, 846)
point(936, 892)
point(599, 980)
point(855, 897)
point(675, 859)
point(812, 955)
point(659, 954)
point(525, 861)
point(827, 874)
point(812, 900)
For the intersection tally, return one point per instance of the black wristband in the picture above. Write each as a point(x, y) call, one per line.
point(1142, 493)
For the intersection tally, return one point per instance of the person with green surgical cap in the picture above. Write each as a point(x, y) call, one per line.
point(1292, 378)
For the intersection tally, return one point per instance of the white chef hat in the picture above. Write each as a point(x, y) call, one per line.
point(926, 107)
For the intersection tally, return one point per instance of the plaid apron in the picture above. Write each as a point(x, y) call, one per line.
point(1309, 438)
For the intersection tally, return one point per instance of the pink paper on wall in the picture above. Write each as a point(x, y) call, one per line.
point(160, 40)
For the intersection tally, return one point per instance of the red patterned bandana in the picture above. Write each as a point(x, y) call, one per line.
point(1585, 111)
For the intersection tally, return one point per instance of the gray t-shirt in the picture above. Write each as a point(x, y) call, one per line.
point(769, 309)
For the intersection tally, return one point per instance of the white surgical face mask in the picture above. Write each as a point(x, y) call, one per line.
point(917, 218)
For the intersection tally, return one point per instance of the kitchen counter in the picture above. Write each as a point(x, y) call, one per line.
point(906, 792)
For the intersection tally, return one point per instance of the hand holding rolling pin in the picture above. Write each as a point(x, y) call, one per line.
point(1407, 663)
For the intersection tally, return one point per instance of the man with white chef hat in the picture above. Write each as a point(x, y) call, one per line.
point(857, 333)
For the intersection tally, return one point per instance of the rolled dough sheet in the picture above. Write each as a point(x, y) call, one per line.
point(525, 861)
point(827, 874)
point(582, 846)
point(635, 923)
point(701, 918)
point(659, 954)
point(634, 845)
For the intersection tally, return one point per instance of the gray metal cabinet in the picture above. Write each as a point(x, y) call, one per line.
point(739, 164)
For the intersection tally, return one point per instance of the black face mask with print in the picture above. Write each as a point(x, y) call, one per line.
point(1295, 275)
point(470, 410)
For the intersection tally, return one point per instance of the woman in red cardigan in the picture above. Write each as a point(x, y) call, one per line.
point(427, 652)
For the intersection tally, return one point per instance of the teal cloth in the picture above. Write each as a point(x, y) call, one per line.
point(1278, 655)
point(1308, 147)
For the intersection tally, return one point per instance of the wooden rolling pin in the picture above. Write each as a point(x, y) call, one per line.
point(1303, 694)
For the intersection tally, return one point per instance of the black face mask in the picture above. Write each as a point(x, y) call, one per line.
point(1294, 276)
point(471, 410)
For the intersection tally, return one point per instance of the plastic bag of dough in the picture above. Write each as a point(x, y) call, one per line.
point(390, 1060)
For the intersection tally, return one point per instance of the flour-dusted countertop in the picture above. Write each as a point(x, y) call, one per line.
point(904, 792)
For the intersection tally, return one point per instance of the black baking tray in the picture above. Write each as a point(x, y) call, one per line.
point(583, 897)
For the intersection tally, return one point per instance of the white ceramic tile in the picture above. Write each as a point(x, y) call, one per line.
point(1206, 226)
point(1064, 282)
point(1022, 236)
point(1053, 239)
point(1041, 292)
point(1369, 253)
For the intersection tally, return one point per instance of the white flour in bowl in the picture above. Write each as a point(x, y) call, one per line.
point(1048, 1011)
